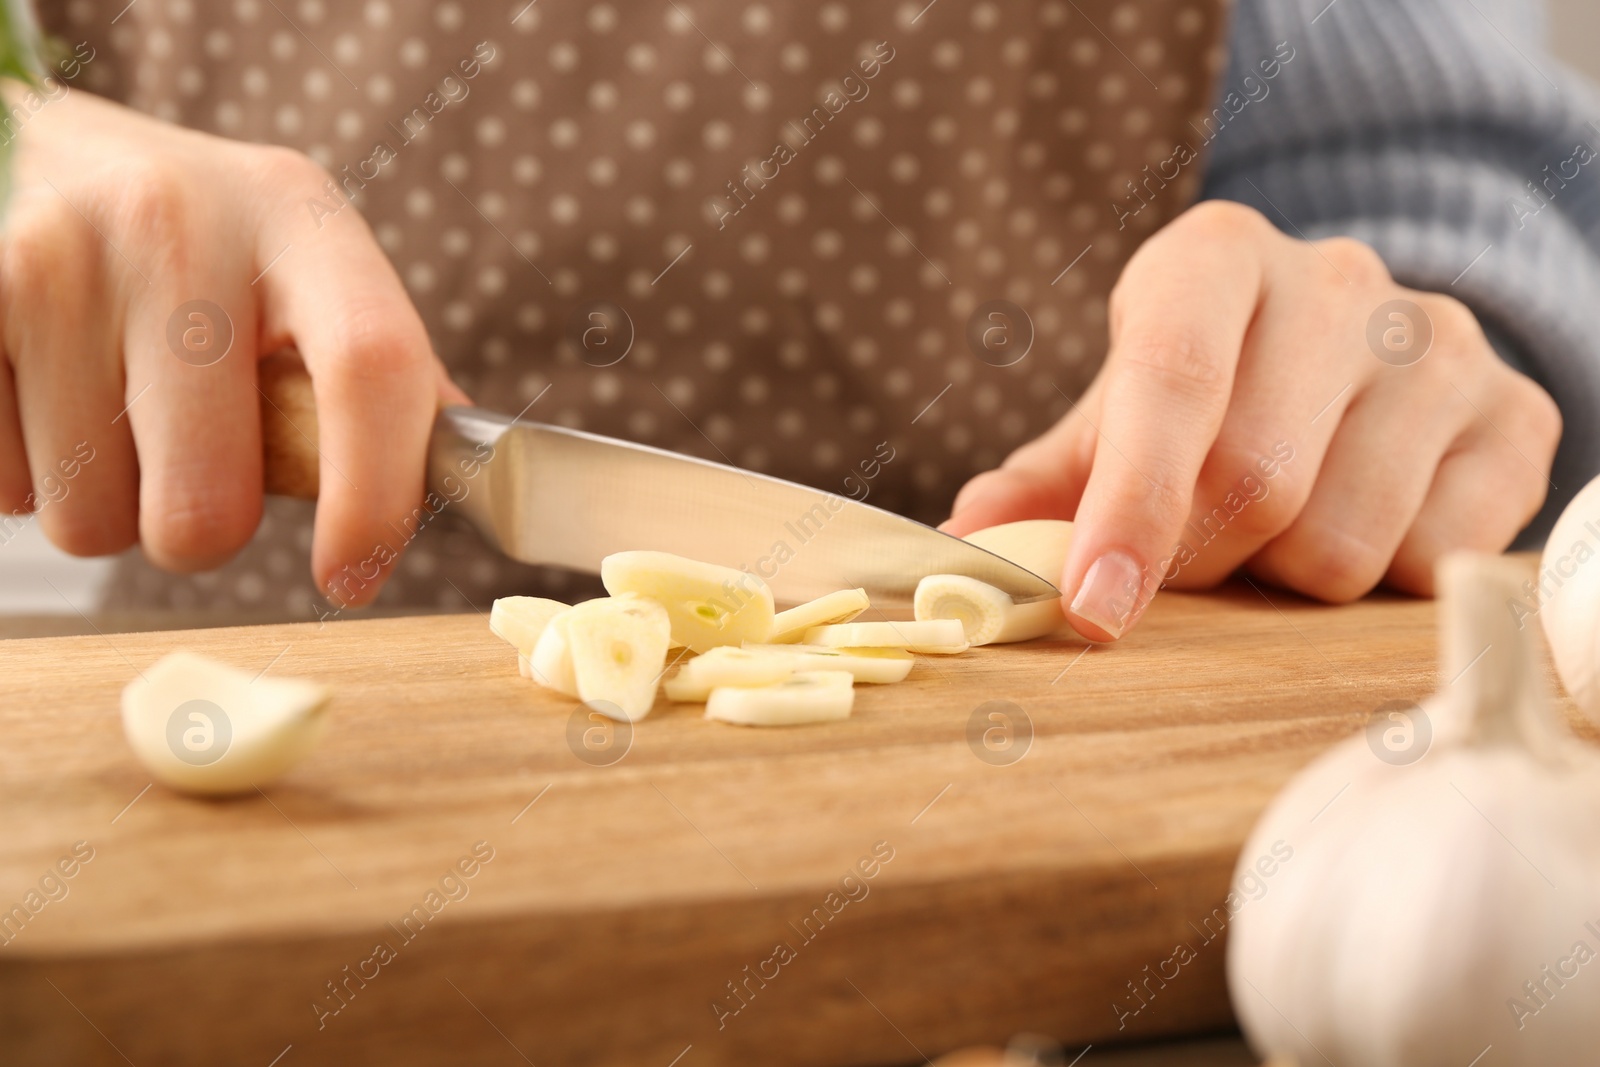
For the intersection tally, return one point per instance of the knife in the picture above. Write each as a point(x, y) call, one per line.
point(545, 494)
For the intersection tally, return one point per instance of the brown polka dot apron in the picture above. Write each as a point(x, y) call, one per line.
point(789, 236)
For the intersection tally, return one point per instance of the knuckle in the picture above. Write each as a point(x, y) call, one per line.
point(374, 345)
point(286, 167)
point(89, 532)
point(1223, 220)
point(153, 200)
point(44, 244)
point(198, 531)
point(1355, 260)
point(1179, 361)
point(1453, 322)
point(1259, 506)
point(1335, 566)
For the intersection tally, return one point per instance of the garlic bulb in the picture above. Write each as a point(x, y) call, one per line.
point(1566, 596)
point(1429, 890)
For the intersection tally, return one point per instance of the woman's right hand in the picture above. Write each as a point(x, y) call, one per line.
point(132, 251)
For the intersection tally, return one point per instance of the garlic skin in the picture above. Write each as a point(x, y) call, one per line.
point(1570, 615)
point(202, 727)
point(1425, 896)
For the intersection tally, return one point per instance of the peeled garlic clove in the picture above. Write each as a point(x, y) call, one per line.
point(790, 626)
point(708, 605)
point(618, 647)
point(1567, 598)
point(551, 662)
point(726, 666)
point(1039, 545)
point(808, 696)
point(875, 666)
point(987, 615)
point(200, 726)
point(934, 636)
point(519, 620)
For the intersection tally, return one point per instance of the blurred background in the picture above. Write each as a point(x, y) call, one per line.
point(35, 579)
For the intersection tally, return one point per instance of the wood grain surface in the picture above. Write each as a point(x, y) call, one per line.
point(621, 901)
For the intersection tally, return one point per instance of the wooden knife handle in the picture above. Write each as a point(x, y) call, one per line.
point(288, 427)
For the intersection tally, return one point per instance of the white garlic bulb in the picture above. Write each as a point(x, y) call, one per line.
point(1440, 897)
point(1566, 596)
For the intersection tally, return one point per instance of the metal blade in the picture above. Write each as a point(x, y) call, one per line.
point(549, 495)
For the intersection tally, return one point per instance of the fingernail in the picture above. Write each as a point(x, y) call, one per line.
point(1110, 594)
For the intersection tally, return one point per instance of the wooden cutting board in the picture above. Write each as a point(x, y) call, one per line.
point(688, 903)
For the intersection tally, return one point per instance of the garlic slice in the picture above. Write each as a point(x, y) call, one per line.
point(987, 615)
point(551, 662)
point(727, 666)
point(200, 726)
point(805, 697)
point(708, 605)
point(791, 625)
point(618, 647)
point(941, 637)
point(519, 620)
point(874, 666)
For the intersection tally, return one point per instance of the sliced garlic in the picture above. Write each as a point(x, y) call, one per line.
point(618, 647)
point(551, 662)
point(708, 605)
point(987, 614)
point(519, 620)
point(942, 637)
point(1038, 545)
point(200, 726)
point(790, 626)
point(876, 666)
point(808, 696)
point(726, 666)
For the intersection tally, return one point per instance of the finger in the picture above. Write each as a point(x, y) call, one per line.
point(15, 481)
point(377, 387)
point(1485, 491)
point(66, 366)
point(190, 354)
point(1368, 492)
point(1305, 362)
point(1043, 479)
point(1178, 326)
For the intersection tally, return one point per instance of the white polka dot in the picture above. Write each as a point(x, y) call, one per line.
point(564, 209)
point(525, 94)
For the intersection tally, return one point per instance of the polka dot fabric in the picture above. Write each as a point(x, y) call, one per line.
point(802, 212)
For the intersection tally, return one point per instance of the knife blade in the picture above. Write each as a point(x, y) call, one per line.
point(549, 495)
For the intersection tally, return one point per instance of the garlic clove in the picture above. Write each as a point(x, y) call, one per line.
point(519, 620)
point(202, 727)
point(987, 615)
point(1567, 599)
point(550, 665)
point(875, 666)
point(805, 697)
point(708, 605)
point(791, 625)
point(618, 648)
point(933, 636)
point(727, 666)
point(1039, 545)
